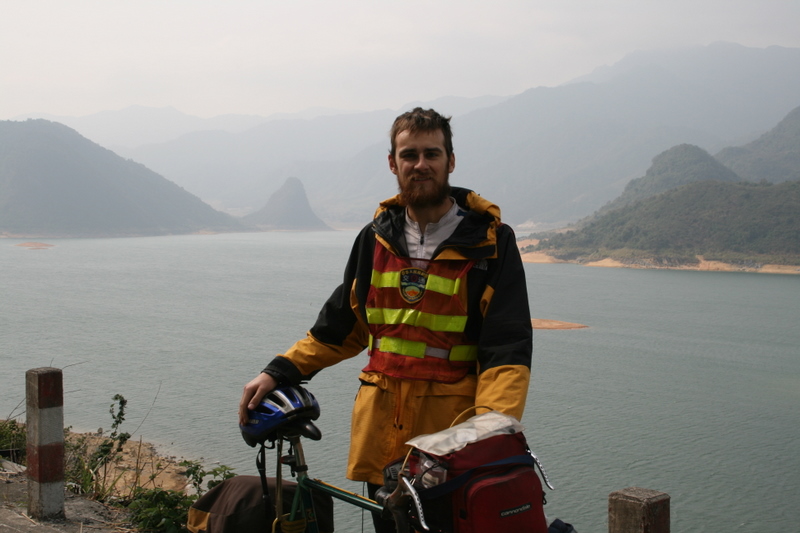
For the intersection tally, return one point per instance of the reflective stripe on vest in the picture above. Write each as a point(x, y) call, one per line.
point(467, 352)
point(412, 317)
point(448, 287)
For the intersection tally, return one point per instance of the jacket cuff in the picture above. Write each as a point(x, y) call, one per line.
point(284, 372)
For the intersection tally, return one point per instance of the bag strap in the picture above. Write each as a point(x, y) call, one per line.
point(468, 410)
point(452, 484)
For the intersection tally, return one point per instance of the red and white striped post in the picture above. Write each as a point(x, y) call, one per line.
point(44, 394)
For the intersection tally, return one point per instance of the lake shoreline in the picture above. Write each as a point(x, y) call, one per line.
point(702, 266)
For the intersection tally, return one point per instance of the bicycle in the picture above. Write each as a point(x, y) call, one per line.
point(288, 418)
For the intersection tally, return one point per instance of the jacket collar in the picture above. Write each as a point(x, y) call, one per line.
point(475, 238)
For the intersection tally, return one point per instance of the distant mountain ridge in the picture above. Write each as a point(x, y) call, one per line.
point(775, 156)
point(56, 183)
point(136, 125)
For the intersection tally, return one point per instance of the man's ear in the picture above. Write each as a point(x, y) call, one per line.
point(392, 164)
point(451, 164)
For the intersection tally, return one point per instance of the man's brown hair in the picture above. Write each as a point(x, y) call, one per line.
point(418, 120)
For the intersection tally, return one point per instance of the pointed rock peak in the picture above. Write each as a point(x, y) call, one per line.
point(287, 209)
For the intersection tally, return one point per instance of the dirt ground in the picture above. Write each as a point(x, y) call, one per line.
point(139, 463)
point(82, 514)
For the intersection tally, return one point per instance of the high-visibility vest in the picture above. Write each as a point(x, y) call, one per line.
point(417, 319)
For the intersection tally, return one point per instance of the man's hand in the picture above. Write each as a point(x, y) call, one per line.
point(253, 392)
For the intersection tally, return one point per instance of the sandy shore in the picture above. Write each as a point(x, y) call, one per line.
point(545, 323)
point(703, 265)
point(139, 464)
point(35, 245)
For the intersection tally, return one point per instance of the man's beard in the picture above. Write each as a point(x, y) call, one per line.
point(422, 197)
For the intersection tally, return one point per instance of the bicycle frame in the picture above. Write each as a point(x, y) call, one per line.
point(302, 504)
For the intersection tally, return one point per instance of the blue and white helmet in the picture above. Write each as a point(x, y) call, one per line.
point(279, 407)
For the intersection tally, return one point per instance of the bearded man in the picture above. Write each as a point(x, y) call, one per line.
point(435, 290)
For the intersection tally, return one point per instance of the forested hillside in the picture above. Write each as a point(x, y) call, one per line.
point(732, 222)
point(680, 165)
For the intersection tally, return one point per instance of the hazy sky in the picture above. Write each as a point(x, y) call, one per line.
point(204, 57)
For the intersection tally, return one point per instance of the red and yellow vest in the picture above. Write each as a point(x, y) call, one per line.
point(417, 319)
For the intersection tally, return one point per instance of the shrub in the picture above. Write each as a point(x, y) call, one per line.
point(13, 440)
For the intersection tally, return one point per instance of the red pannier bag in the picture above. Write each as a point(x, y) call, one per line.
point(488, 485)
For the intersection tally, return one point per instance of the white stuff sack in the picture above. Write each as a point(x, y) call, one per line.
point(475, 429)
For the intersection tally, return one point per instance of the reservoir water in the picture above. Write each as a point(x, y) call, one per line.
point(684, 382)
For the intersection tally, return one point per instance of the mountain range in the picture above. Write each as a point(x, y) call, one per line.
point(547, 156)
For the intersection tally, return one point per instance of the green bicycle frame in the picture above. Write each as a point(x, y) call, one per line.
point(303, 504)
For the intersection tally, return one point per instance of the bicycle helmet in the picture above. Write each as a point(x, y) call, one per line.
point(279, 407)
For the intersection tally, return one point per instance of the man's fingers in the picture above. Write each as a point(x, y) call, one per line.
point(253, 392)
point(256, 397)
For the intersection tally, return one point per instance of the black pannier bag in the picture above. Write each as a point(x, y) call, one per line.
point(237, 505)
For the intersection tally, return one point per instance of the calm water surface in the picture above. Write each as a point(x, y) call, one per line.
point(684, 382)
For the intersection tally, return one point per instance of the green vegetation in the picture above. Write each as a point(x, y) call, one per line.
point(13, 438)
point(731, 222)
point(157, 509)
point(93, 468)
point(89, 470)
point(88, 467)
point(160, 510)
point(680, 165)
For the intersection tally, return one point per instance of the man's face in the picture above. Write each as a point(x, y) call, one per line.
point(422, 168)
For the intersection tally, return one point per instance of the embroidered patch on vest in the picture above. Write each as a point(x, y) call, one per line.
point(412, 284)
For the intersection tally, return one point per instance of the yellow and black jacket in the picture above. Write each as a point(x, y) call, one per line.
point(490, 346)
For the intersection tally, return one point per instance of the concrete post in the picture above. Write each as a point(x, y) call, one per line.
point(44, 394)
point(636, 510)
